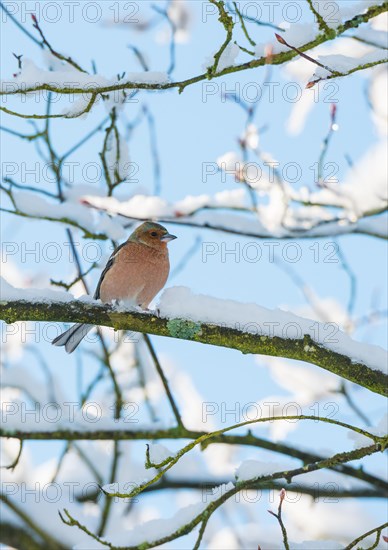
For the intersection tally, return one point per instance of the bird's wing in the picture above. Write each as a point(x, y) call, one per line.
point(109, 264)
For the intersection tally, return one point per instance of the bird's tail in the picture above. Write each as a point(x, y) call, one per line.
point(72, 337)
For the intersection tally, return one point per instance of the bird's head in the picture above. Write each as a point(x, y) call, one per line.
point(152, 234)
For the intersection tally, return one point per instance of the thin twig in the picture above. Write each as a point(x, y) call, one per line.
point(348, 398)
point(154, 150)
point(15, 462)
point(164, 381)
point(352, 279)
point(108, 500)
point(56, 54)
point(228, 24)
point(278, 516)
point(172, 40)
point(326, 143)
point(321, 22)
point(377, 530)
point(242, 23)
point(280, 39)
point(201, 532)
point(139, 57)
point(20, 26)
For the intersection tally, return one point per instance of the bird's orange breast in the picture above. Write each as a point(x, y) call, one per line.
point(137, 274)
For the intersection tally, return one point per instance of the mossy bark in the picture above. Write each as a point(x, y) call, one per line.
point(303, 349)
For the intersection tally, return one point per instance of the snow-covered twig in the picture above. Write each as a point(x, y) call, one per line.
point(197, 516)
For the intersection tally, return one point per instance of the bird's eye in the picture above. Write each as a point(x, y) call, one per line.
point(154, 234)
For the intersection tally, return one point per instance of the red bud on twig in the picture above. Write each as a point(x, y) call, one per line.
point(280, 39)
point(85, 202)
point(333, 111)
point(312, 83)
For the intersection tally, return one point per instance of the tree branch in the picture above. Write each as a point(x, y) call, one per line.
point(339, 458)
point(277, 59)
point(303, 349)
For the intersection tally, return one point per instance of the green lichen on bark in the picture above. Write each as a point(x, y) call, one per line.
point(183, 329)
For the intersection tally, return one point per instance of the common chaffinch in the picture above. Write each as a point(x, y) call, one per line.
point(135, 272)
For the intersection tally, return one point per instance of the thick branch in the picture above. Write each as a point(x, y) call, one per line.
point(49, 542)
point(16, 537)
point(329, 491)
point(303, 349)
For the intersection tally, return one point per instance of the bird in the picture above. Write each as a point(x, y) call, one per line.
point(135, 272)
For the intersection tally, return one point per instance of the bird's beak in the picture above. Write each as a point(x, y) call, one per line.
point(168, 237)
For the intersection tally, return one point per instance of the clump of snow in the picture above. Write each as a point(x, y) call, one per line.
point(229, 162)
point(227, 59)
point(364, 189)
point(138, 206)
point(180, 302)
point(250, 137)
point(335, 14)
point(343, 63)
point(158, 453)
point(252, 469)
point(380, 22)
point(180, 13)
point(190, 204)
point(72, 209)
point(351, 9)
point(147, 207)
point(156, 529)
point(117, 157)
point(235, 198)
point(35, 205)
point(10, 293)
point(378, 92)
point(296, 34)
point(272, 214)
point(66, 76)
point(79, 107)
point(141, 477)
point(362, 441)
point(302, 69)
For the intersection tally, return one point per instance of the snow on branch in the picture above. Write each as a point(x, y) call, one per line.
point(70, 81)
point(226, 212)
point(156, 532)
point(248, 328)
